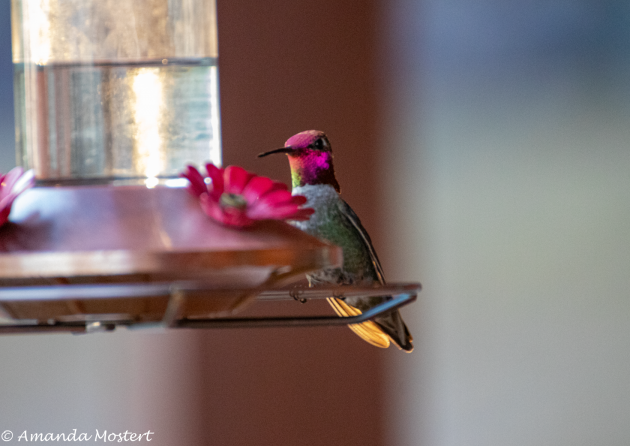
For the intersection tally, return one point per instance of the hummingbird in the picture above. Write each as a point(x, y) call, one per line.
point(313, 175)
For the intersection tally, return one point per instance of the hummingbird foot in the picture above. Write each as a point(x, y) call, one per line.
point(295, 294)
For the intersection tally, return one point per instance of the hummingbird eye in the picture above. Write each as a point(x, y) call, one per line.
point(320, 144)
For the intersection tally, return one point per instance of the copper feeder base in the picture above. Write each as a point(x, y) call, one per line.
point(134, 242)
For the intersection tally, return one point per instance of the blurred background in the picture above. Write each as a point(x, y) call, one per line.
point(485, 147)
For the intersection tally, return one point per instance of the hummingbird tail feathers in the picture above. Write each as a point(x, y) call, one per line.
point(388, 328)
point(395, 327)
point(369, 331)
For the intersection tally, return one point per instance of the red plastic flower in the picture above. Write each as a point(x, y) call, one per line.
point(236, 197)
point(11, 185)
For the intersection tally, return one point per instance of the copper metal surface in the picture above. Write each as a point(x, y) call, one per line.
point(98, 235)
point(175, 302)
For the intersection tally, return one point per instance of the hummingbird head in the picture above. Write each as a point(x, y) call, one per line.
point(310, 158)
point(303, 143)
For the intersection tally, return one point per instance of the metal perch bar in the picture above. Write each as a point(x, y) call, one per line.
point(402, 294)
point(304, 321)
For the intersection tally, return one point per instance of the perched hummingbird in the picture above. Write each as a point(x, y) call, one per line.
point(313, 175)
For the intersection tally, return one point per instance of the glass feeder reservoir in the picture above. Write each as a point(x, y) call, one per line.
point(108, 90)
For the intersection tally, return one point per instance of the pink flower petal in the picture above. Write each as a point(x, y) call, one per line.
point(4, 215)
point(11, 185)
point(216, 174)
point(281, 203)
point(263, 197)
point(239, 219)
point(3, 190)
point(263, 210)
point(9, 180)
point(299, 199)
point(236, 178)
point(284, 212)
point(302, 214)
point(197, 184)
point(277, 197)
point(225, 216)
point(256, 187)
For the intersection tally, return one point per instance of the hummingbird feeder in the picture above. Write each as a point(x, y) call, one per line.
point(112, 100)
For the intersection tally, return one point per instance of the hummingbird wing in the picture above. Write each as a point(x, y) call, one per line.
point(353, 219)
point(384, 328)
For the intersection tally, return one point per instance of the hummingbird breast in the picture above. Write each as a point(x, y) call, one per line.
point(330, 224)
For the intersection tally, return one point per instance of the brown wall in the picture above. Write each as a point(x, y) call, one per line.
point(289, 66)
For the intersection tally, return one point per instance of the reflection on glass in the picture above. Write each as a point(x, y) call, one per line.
point(115, 90)
point(148, 156)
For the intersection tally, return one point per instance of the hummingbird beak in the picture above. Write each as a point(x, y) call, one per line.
point(280, 150)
